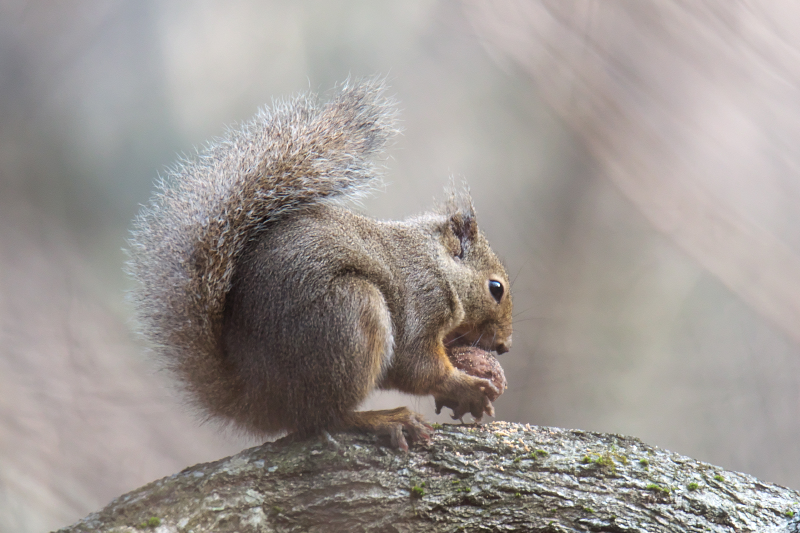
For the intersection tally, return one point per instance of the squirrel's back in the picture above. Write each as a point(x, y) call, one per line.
point(186, 242)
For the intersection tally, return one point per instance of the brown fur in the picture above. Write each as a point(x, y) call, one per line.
point(280, 311)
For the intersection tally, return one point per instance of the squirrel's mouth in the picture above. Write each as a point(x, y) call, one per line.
point(470, 336)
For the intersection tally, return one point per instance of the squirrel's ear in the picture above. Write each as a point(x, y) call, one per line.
point(461, 214)
point(465, 229)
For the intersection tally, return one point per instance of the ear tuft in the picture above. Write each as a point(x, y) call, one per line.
point(459, 200)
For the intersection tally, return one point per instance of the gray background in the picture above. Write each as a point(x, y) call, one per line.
point(633, 165)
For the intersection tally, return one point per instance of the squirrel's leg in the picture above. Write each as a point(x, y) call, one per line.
point(350, 333)
point(367, 345)
point(343, 341)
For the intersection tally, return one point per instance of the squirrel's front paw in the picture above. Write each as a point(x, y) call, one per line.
point(467, 394)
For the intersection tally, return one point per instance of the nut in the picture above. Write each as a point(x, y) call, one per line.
point(479, 363)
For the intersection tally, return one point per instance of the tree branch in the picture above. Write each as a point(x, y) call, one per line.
point(495, 477)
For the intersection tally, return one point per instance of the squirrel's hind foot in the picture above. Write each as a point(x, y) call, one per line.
point(402, 426)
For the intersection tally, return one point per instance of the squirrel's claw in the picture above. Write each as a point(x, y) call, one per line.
point(439, 405)
point(397, 439)
point(492, 393)
point(489, 408)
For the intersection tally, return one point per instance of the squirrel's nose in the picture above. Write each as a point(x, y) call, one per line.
point(504, 346)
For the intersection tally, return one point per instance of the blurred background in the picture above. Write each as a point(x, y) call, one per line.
point(635, 165)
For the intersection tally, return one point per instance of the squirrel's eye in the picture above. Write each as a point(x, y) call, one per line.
point(496, 288)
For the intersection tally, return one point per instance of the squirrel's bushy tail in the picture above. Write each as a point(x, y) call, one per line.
point(185, 242)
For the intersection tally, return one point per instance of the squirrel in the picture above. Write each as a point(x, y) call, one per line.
point(280, 310)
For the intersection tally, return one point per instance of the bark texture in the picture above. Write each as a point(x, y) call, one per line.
point(494, 477)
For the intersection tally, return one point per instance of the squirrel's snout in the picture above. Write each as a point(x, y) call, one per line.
point(503, 346)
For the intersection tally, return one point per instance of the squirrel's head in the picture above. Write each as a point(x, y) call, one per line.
point(479, 281)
